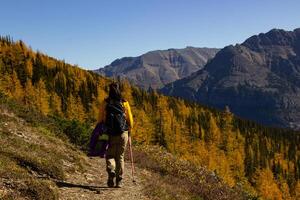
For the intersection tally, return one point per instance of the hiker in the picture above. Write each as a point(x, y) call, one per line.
point(115, 113)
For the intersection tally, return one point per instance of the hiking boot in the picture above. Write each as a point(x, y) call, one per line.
point(110, 181)
point(119, 183)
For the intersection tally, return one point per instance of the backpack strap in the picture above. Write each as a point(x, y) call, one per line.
point(111, 102)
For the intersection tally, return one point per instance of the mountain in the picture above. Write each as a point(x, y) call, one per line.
point(258, 79)
point(158, 68)
point(208, 154)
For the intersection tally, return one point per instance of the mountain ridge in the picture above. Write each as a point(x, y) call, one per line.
point(156, 68)
point(257, 79)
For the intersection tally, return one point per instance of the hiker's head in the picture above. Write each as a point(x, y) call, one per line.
point(115, 91)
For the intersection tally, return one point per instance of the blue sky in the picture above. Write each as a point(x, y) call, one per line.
point(92, 33)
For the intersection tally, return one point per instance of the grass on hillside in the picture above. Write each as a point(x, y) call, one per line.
point(28, 150)
point(174, 178)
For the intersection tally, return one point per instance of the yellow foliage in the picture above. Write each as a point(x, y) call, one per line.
point(126, 92)
point(101, 95)
point(215, 133)
point(55, 104)
point(42, 97)
point(142, 135)
point(11, 86)
point(297, 190)
point(4, 84)
point(28, 68)
point(29, 98)
point(285, 190)
point(266, 185)
point(75, 109)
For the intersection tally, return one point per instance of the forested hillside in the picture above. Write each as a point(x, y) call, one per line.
point(263, 161)
point(258, 79)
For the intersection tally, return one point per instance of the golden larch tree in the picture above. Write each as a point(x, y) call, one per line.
point(42, 97)
point(266, 185)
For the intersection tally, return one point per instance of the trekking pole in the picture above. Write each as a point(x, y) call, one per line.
point(131, 158)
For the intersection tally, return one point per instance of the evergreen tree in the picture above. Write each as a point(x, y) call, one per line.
point(42, 97)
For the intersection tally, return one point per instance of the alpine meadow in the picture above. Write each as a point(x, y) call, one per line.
point(260, 161)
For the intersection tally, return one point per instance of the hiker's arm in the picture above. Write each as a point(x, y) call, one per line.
point(102, 113)
point(129, 117)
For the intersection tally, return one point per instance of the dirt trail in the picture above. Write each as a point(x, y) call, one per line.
point(78, 185)
point(92, 184)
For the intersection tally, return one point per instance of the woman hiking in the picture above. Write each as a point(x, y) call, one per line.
point(115, 113)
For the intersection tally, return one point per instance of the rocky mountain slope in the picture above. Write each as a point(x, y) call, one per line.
point(158, 68)
point(258, 79)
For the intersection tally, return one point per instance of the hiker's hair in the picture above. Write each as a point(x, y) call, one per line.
point(114, 92)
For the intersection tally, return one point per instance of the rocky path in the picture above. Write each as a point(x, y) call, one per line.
point(92, 184)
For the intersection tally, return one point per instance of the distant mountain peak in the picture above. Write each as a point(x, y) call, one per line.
point(275, 36)
point(160, 67)
point(258, 79)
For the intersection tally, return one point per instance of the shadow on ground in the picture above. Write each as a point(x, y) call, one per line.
point(87, 187)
